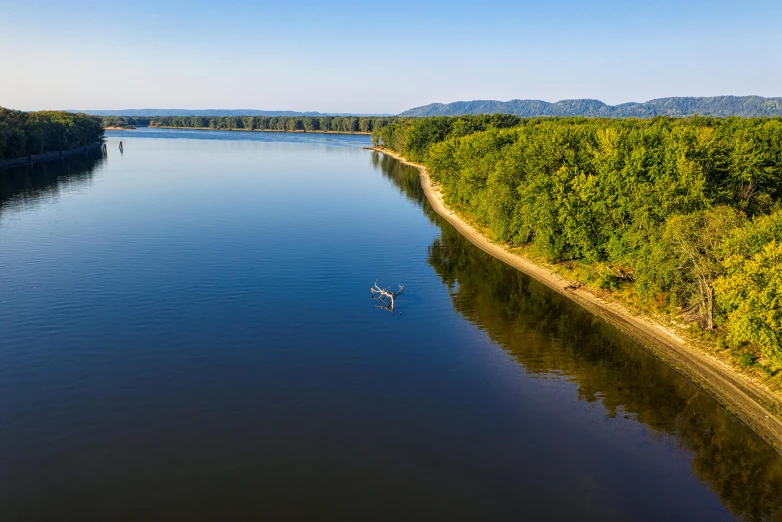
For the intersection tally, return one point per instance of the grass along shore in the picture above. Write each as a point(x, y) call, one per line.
point(750, 398)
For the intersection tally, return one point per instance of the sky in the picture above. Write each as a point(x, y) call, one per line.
point(382, 56)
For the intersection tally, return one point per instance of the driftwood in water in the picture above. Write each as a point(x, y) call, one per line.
point(385, 296)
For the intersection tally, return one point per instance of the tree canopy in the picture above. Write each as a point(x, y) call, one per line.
point(24, 133)
point(682, 210)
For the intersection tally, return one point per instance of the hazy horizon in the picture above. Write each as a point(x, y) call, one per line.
point(340, 57)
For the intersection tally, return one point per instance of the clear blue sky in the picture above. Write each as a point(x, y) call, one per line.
point(368, 57)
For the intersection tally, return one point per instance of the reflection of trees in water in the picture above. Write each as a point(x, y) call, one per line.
point(550, 335)
point(23, 187)
point(406, 178)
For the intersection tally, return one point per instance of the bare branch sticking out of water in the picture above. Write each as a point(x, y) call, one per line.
point(386, 297)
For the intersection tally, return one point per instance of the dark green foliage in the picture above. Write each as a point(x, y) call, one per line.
point(125, 121)
point(723, 106)
point(273, 123)
point(746, 360)
point(653, 203)
point(24, 133)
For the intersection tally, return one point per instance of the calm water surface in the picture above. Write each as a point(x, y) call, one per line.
point(187, 334)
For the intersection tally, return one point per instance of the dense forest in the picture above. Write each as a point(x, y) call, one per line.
point(270, 123)
point(723, 106)
point(24, 133)
point(679, 215)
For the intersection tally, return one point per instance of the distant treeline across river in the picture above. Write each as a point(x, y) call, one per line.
point(348, 124)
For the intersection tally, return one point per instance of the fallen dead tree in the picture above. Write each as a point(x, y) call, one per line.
point(385, 296)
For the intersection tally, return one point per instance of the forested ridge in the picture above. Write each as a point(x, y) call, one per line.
point(723, 106)
point(25, 133)
point(347, 124)
point(678, 215)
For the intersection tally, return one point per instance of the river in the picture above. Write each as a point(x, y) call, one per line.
point(188, 334)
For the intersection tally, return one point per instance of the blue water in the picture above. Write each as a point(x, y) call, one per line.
point(188, 334)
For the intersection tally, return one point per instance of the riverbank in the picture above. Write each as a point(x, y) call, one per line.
point(48, 156)
point(752, 402)
point(262, 130)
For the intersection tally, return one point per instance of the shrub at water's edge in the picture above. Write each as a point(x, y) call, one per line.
point(676, 215)
point(25, 133)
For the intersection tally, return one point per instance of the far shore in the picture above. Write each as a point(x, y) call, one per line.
point(260, 130)
point(752, 402)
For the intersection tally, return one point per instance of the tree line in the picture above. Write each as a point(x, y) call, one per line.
point(679, 215)
point(25, 133)
point(126, 121)
point(348, 124)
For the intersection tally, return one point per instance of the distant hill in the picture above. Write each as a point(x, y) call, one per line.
point(746, 106)
point(211, 112)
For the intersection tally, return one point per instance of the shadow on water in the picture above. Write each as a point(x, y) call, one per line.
point(552, 337)
point(26, 186)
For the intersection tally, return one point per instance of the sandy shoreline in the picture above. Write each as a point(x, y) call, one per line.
point(748, 400)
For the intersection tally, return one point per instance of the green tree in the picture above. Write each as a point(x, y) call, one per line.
point(751, 288)
point(695, 241)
